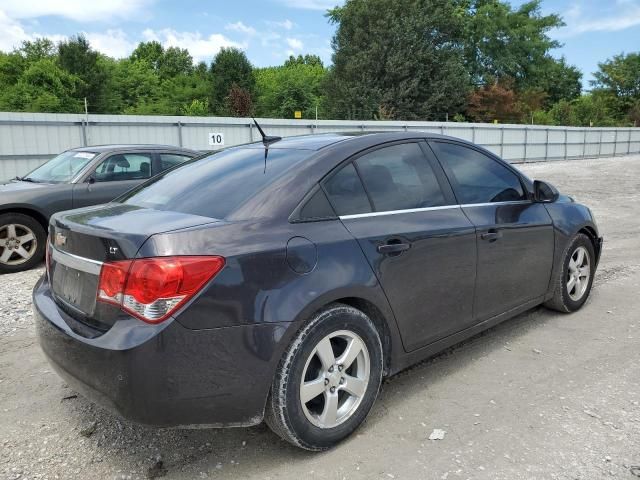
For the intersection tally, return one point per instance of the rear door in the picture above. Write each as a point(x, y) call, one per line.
point(115, 175)
point(515, 238)
point(395, 201)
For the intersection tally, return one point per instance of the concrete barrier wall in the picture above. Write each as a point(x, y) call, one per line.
point(29, 139)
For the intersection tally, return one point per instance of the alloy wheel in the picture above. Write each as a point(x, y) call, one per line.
point(335, 379)
point(578, 274)
point(18, 244)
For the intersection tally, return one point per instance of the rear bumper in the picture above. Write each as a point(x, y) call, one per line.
point(166, 376)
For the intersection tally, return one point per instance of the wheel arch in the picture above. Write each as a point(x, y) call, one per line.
point(30, 212)
point(380, 322)
point(590, 232)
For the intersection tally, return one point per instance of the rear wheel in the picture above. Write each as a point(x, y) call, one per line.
point(22, 242)
point(328, 379)
point(573, 283)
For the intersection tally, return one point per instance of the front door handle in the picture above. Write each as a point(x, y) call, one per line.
point(492, 235)
point(391, 248)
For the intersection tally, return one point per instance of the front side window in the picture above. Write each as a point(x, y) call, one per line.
point(399, 177)
point(124, 166)
point(477, 178)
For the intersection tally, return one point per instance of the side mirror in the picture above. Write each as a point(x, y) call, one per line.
point(544, 192)
point(91, 180)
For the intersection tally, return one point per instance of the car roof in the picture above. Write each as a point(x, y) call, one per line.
point(323, 140)
point(116, 147)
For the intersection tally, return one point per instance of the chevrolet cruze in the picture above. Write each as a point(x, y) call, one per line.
point(282, 280)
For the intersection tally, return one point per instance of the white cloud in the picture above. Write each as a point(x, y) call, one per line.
point(623, 14)
point(78, 10)
point(241, 28)
point(286, 24)
point(295, 44)
point(199, 46)
point(114, 43)
point(312, 4)
point(12, 33)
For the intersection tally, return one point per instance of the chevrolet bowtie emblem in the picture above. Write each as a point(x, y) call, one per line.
point(60, 239)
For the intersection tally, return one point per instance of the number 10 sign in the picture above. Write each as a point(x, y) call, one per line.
point(216, 139)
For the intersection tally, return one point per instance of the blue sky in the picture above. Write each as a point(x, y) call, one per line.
point(270, 30)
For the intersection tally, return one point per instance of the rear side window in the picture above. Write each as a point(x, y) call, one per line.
point(400, 177)
point(215, 186)
point(168, 160)
point(346, 193)
point(477, 178)
point(124, 166)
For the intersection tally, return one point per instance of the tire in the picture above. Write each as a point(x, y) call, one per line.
point(22, 242)
point(568, 298)
point(310, 425)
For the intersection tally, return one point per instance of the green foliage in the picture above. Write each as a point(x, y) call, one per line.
point(481, 60)
point(78, 58)
point(406, 57)
point(503, 42)
point(197, 108)
point(619, 79)
point(283, 90)
point(229, 67)
point(43, 87)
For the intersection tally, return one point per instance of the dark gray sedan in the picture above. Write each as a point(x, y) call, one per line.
point(76, 178)
point(283, 281)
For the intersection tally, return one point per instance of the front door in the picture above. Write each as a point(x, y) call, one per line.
point(396, 203)
point(515, 238)
point(114, 176)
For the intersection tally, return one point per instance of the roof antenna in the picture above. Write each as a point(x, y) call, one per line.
point(266, 141)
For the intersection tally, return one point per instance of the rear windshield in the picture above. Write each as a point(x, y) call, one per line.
point(217, 185)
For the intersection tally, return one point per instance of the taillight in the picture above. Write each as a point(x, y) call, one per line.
point(47, 257)
point(153, 288)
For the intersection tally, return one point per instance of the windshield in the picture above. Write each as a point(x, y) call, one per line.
point(217, 185)
point(62, 168)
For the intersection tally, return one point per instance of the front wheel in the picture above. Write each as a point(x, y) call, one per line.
point(22, 242)
point(328, 379)
point(574, 281)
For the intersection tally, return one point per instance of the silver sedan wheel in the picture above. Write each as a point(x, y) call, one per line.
point(335, 379)
point(578, 274)
point(18, 244)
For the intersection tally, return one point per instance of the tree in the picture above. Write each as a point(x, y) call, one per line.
point(149, 52)
point(280, 91)
point(556, 78)
point(238, 102)
point(76, 56)
point(312, 60)
point(503, 42)
point(45, 87)
point(494, 102)
point(175, 61)
point(197, 108)
point(619, 78)
point(405, 57)
point(37, 49)
point(230, 67)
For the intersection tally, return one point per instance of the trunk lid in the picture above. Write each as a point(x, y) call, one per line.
point(82, 240)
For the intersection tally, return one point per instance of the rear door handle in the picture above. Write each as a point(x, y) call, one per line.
point(388, 248)
point(492, 235)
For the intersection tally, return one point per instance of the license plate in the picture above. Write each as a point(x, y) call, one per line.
point(74, 287)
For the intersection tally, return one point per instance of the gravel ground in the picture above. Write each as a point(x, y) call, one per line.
point(542, 396)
